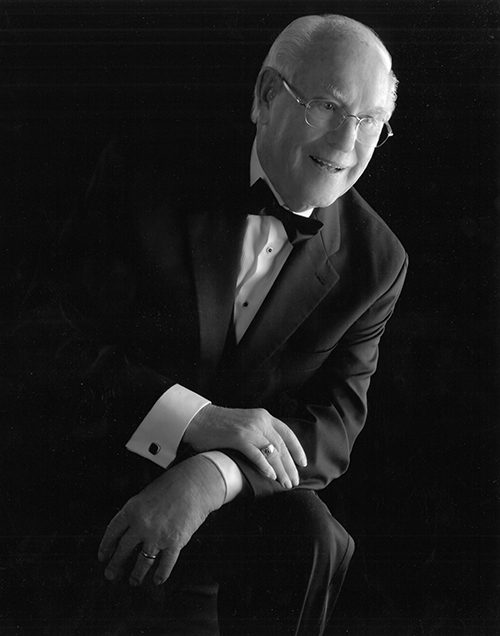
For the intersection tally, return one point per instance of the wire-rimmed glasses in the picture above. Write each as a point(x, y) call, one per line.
point(327, 115)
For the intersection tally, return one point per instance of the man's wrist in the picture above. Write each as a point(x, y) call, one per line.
point(230, 472)
point(207, 457)
point(197, 421)
point(212, 481)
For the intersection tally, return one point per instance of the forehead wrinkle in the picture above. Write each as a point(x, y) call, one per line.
point(326, 49)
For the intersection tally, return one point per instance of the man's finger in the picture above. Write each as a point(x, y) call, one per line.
point(116, 527)
point(142, 565)
point(255, 455)
point(168, 558)
point(277, 464)
point(282, 462)
point(125, 547)
point(289, 465)
point(292, 442)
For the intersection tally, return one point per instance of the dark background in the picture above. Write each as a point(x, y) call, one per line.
point(420, 496)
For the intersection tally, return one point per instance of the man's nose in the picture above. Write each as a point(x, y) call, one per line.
point(344, 137)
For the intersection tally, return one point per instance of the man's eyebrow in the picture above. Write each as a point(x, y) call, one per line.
point(336, 93)
point(379, 111)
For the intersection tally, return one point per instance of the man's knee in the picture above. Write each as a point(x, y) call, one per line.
point(300, 530)
point(320, 536)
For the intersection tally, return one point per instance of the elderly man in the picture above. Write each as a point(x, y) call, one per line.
point(233, 342)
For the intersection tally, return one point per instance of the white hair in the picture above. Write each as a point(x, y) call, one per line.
point(289, 48)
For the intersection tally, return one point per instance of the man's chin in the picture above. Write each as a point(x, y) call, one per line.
point(326, 193)
point(327, 199)
point(318, 195)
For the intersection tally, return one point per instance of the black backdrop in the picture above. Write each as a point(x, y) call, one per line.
point(420, 494)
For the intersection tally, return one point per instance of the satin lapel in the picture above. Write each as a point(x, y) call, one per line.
point(215, 247)
point(304, 281)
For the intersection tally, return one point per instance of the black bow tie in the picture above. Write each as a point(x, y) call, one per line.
point(263, 203)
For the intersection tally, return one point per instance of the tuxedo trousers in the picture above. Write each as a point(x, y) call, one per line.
point(272, 566)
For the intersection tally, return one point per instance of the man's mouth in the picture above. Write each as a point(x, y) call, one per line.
point(327, 165)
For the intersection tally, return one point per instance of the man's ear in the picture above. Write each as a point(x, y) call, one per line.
point(268, 86)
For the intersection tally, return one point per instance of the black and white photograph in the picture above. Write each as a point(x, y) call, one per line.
point(250, 297)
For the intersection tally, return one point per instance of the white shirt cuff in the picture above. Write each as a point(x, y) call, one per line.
point(230, 472)
point(159, 434)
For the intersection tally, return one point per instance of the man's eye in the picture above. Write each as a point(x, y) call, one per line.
point(371, 123)
point(329, 107)
point(323, 108)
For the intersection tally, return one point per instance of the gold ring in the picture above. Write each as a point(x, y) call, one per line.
point(146, 555)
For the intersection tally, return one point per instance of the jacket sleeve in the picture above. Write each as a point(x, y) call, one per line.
point(81, 388)
point(328, 412)
point(93, 302)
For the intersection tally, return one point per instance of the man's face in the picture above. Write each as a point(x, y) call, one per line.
point(310, 167)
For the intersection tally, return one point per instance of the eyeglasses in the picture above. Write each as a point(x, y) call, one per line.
point(325, 115)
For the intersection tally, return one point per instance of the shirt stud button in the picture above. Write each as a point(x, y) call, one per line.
point(245, 304)
point(154, 448)
point(269, 250)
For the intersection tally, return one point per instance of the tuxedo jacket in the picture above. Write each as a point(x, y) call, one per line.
point(148, 298)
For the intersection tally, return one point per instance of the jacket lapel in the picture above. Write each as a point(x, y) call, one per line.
point(216, 241)
point(304, 281)
point(306, 278)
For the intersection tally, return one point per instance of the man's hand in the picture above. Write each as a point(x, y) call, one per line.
point(161, 520)
point(248, 431)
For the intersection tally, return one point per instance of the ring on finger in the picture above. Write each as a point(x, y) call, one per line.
point(268, 450)
point(148, 555)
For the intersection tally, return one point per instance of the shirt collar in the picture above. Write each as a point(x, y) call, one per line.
point(257, 172)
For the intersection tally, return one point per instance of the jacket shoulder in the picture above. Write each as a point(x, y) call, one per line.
point(362, 224)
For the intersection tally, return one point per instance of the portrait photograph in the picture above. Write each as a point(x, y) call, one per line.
point(250, 297)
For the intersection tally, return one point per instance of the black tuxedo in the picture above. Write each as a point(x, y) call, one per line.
point(160, 287)
point(142, 298)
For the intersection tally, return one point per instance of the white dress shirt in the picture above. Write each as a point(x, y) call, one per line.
point(264, 252)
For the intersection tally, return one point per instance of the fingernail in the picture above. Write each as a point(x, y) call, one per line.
point(158, 581)
point(287, 484)
point(133, 582)
point(109, 575)
point(303, 463)
point(100, 556)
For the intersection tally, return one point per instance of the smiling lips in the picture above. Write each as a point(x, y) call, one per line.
point(329, 165)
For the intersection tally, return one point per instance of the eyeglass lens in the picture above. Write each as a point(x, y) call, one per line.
point(370, 132)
